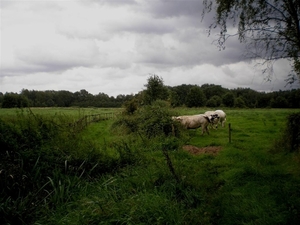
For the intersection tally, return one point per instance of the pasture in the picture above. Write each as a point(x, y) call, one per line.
point(155, 181)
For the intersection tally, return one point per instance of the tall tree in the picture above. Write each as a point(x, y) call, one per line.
point(270, 28)
point(195, 97)
point(155, 90)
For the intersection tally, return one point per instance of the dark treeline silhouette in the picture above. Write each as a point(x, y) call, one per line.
point(209, 95)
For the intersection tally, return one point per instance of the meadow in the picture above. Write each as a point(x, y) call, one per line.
point(104, 174)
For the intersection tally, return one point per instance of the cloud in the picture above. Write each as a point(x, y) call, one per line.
point(112, 46)
point(61, 54)
point(169, 8)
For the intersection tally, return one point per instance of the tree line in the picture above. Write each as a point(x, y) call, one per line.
point(208, 95)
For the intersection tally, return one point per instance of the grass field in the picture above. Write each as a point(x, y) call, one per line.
point(73, 111)
point(249, 181)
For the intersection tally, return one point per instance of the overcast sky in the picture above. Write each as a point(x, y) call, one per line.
point(113, 46)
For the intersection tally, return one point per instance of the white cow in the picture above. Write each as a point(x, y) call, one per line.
point(215, 118)
point(195, 121)
point(222, 116)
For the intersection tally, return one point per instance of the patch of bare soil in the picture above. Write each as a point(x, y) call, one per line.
point(214, 150)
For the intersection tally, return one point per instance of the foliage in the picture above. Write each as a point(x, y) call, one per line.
point(175, 99)
point(62, 98)
point(214, 101)
point(177, 96)
point(279, 102)
point(290, 140)
point(155, 90)
point(11, 100)
point(239, 103)
point(195, 97)
point(149, 121)
point(44, 161)
point(156, 120)
point(228, 99)
point(293, 131)
point(211, 90)
point(271, 28)
point(131, 106)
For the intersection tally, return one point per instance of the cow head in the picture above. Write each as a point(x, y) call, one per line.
point(214, 118)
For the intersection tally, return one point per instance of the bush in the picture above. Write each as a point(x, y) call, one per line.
point(149, 121)
point(293, 132)
point(43, 161)
point(156, 120)
point(290, 140)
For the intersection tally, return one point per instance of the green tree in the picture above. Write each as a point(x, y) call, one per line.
point(249, 96)
point(13, 100)
point(155, 90)
point(239, 102)
point(174, 99)
point(181, 91)
point(211, 90)
point(1, 99)
point(214, 101)
point(279, 102)
point(195, 97)
point(228, 99)
point(131, 106)
point(269, 28)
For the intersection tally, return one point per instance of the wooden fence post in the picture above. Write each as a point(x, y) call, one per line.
point(229, 131)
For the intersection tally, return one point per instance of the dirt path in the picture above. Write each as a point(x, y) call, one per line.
point(214, 150)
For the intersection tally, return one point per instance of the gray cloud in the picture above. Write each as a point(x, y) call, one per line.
point(167, 8)
point(112, 47)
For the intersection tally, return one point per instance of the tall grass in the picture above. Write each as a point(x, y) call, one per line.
point(44, 162)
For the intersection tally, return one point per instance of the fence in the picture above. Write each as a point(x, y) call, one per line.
point(88, 119)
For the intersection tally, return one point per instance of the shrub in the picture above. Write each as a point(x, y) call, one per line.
point(293, 132)
point(43, 160)
point(149, 121)
point(290, 140)
point(156, 120)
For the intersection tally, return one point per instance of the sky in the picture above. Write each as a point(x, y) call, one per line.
point(114, 46)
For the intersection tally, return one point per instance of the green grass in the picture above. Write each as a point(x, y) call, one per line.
point(244, 184)
point(70, 111)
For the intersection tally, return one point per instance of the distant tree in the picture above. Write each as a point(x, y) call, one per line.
point(181, 93)
point(214, 101)
point(1, 99)
point(279, 102)
point(249, 96)
point(270, 28)
point(294, 98)
point(211, 103)
point(195, 97)
point(64, 98)
point(228, 99)
point(211, 90)
point(174, 99)
point(155, 90)
point(82, 98)
point(13, 100)
point(239, 102)
point(10, 100)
